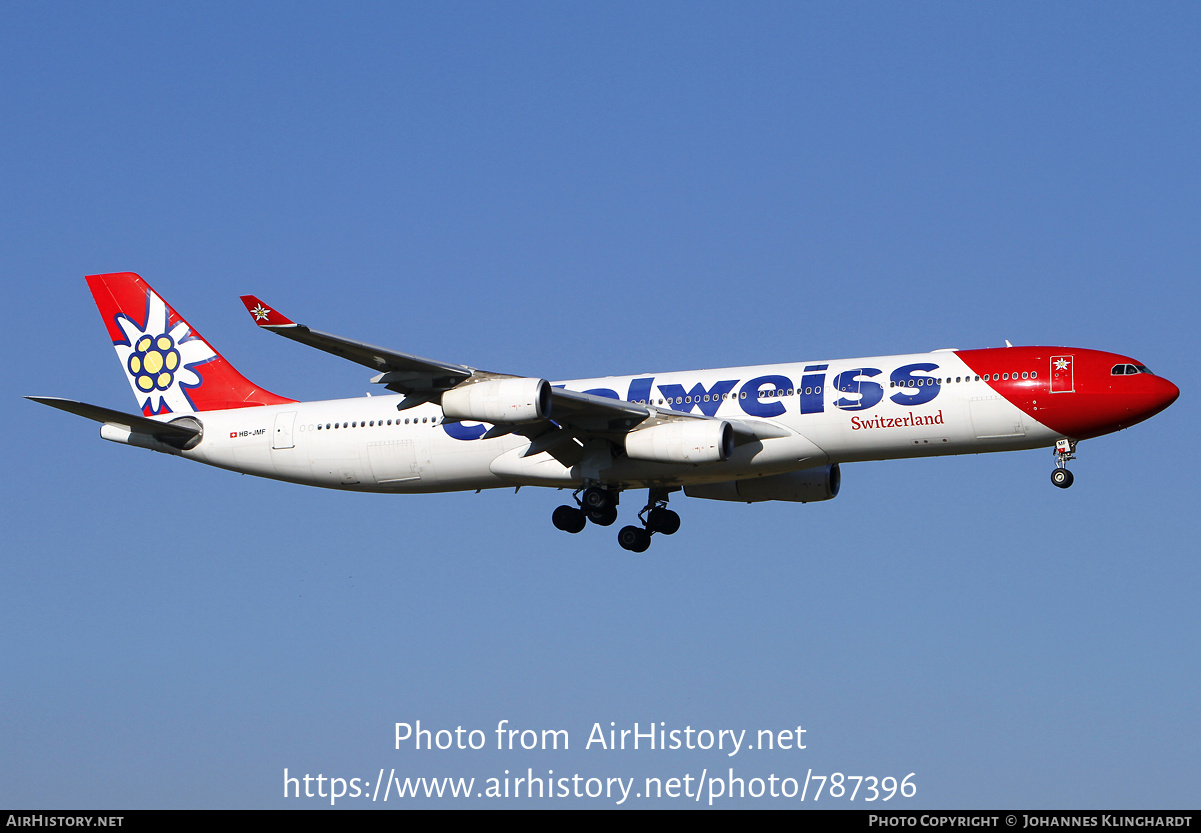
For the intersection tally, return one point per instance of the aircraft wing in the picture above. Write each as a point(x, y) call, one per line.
point(169, 432)
point(589, 411)
point(402, 372)
point(424, 380)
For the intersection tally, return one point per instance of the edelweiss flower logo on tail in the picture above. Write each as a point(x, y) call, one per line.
point(159, 361)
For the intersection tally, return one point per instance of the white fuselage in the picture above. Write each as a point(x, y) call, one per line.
point(820, 412)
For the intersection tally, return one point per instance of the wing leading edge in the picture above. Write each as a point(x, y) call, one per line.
point(425, 380)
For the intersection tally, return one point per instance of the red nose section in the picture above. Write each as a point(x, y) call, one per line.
point(1103, 401)
point(1161, 395)
point(1077, 393)
point(1113, 402)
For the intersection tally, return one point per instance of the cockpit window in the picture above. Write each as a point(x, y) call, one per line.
point(1129, 370)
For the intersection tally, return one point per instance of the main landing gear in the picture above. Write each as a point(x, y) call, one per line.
point(1064, 450)
point(655, 517)
point(600, 506)
point(596, 505)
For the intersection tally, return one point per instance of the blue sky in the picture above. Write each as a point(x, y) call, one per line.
point(574, 190)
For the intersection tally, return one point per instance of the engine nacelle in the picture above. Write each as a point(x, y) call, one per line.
point(798, 486)
point(503, 401)
point(682, 441)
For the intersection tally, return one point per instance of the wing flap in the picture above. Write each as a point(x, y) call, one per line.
point(590, 412)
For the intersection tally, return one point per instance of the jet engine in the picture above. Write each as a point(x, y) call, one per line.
point(503, 401)
point(682, 441)
point(798, 486)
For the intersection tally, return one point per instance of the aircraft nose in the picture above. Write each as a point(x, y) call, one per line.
point(1159, 394)
point(1169, 394)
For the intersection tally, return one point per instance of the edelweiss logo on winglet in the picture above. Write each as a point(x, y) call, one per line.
point(159, 361)
point(260, 312)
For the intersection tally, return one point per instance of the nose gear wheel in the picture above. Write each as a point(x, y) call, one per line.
point(1064, 450)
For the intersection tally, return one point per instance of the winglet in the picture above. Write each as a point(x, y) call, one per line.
point(264, 316)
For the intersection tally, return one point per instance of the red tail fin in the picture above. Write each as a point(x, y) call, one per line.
point(170, 366)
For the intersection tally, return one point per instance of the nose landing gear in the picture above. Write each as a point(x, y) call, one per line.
point(1064, 450)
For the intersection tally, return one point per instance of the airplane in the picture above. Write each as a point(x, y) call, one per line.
point(748, 434)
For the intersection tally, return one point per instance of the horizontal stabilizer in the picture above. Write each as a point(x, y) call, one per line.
point(169, 432)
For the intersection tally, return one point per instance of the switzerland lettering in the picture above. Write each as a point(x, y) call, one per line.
point(907, 421)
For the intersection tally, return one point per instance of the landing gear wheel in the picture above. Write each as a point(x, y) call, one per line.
point(634, 539)
point(595, 499)
point(603, 517)
point(569, 519)
point(1062, 478)
point(1065, 450)
point(664, 520)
